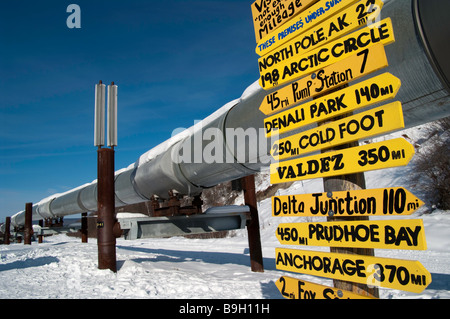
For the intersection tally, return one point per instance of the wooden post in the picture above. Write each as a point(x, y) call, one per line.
point(28, 223)
point(346, 183)
point(254, 237)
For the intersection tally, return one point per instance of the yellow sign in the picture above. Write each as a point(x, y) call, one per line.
point(390, 153)
point(363, 202)
point(374, 122)
point(399, 274)
point(278, 69)
point(330, 77)
point(337, 26)
point(292, 288)
point(269, 15)
point(368, 92)
point(379, 234)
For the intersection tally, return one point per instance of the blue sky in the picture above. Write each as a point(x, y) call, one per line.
point(174, 62)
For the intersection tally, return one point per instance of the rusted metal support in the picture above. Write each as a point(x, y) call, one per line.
point(254, 237)
point(173, 204)
point(7, 239)
point(106, 220)
point(154, 205)
point(84, 228)
point(28, 223)
point(41, 237)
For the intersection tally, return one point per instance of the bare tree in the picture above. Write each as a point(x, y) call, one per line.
point(431, 172)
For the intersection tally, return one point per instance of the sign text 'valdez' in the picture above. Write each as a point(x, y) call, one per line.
point(385, 154)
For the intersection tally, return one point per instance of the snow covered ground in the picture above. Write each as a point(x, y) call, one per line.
point(180, 268)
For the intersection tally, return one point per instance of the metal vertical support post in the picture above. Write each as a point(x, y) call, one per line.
point(7, 240)
point(41, 237)
point(106, 241)
point(84, 228)
point(254, 237)
point(28, 223)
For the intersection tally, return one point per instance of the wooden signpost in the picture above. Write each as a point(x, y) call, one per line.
point(317, 48)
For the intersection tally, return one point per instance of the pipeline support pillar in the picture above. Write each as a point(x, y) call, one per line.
point(106, 220)
point(84, 228)
point(28, 223)
point(7, 240)
point(254, 236)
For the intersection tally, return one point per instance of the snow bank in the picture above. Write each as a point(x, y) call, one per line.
point(181, 268)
